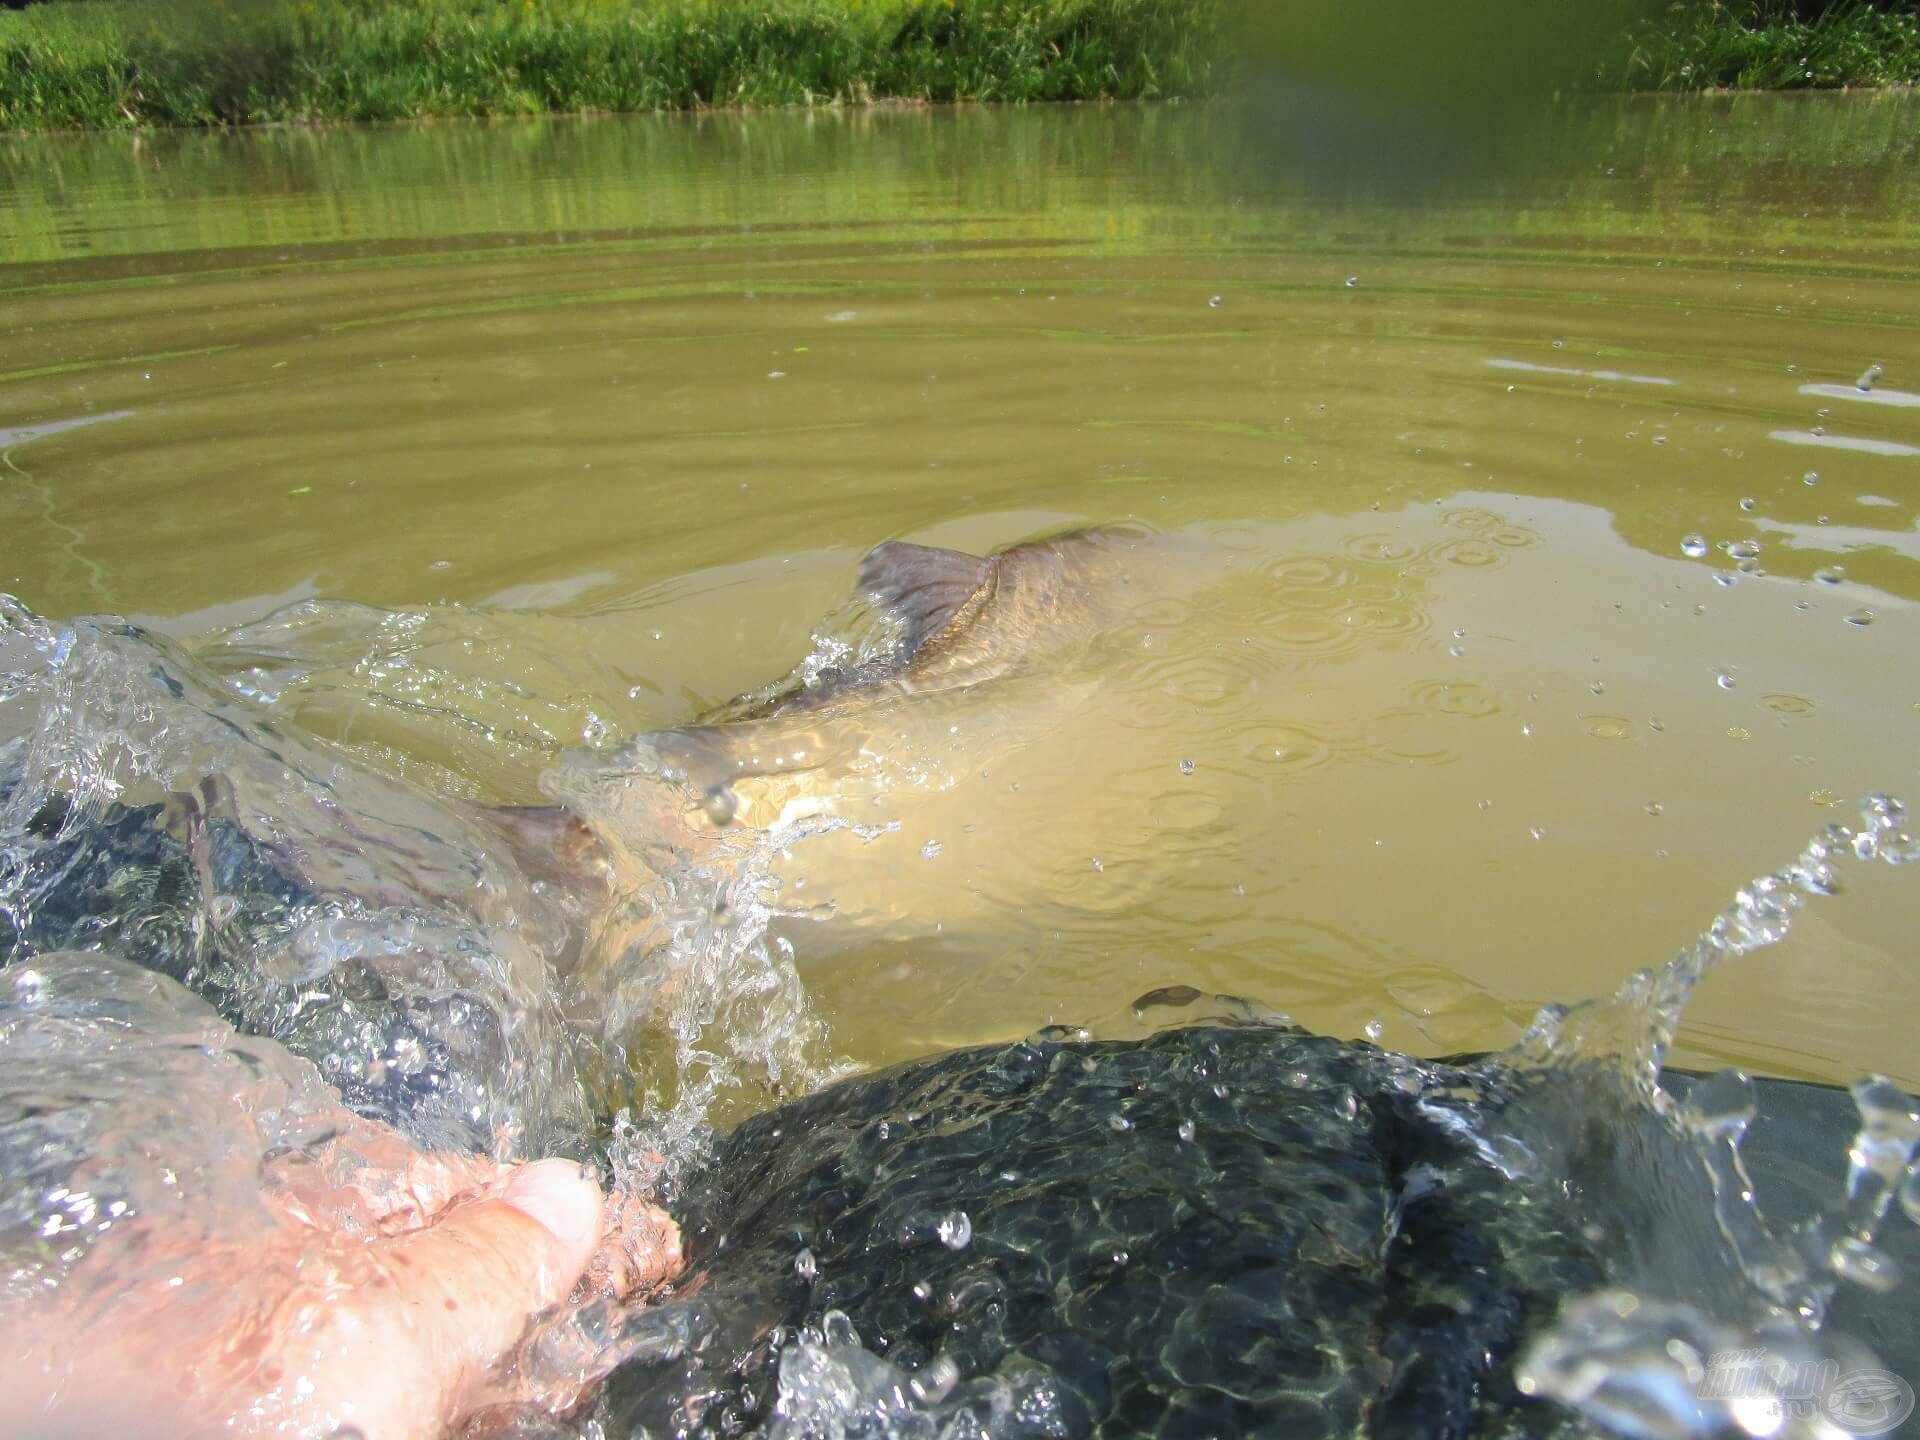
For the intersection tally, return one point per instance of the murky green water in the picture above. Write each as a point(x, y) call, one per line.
point(1466, 728)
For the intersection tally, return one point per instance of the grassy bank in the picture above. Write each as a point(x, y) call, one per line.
point(1775, 45)
point(118, 63)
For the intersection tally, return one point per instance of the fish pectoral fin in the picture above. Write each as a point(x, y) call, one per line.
point(922, 587)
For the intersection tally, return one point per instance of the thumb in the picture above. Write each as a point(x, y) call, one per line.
point(469, 1282)
point(525, 1242)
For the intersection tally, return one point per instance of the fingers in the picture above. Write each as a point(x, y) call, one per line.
point(515, 1251)
point(394, 1335)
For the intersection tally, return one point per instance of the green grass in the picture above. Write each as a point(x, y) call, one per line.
point(1770, 45)
point(121, 64)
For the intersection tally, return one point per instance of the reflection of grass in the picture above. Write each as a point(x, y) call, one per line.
point(1770, 44)
point(113, 64)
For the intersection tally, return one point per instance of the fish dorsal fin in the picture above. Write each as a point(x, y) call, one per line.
point(923, 587)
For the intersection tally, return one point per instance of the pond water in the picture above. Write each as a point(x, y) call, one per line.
point(1551, 570)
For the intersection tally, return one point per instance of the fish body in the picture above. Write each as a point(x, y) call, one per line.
point(858, 769)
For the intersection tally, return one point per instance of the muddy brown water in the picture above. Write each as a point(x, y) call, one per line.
point(1464, 723)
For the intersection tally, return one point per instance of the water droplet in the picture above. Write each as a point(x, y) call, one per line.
point(1694, 546)
point(1812, 477)
point(1830, 574)
point(1854, 1259)
point(1739, 732)
point(1187, 767)
point(1724, 679)
point(1744, 550)
point(955, 1230)
point(1537, 833)
point(1654, 807)
point(1120, 1123)
point(1597, 688)
point(1374, 1029)
point(1559, 344)
point(1352, 281)
point(1526, 731)
point(1747, 502)
point(776, 374)
point(1097, 865)
point(1214, 303)
point(805, 1266)
point(1862, 616)
point(1723, 1104)
point(931, 850)
point(1187, 1130)
point(1865, 382)
point(1910, 1194)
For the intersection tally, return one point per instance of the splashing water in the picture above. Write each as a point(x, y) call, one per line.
point(383, 932)
point(1708, 1275)
point(363, 922)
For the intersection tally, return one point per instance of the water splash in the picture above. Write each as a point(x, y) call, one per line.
point(1708, 1274)
point(364, 922)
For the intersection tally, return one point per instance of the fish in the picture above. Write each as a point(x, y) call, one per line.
point(856, 738)
point(233, 872)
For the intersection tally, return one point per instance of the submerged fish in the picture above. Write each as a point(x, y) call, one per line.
point(267, 875)
point(945, 664)
point(937, 621)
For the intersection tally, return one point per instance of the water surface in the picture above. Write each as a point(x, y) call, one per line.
point(1565, 580)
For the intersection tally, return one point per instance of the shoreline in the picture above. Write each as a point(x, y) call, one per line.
point(130, 67)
